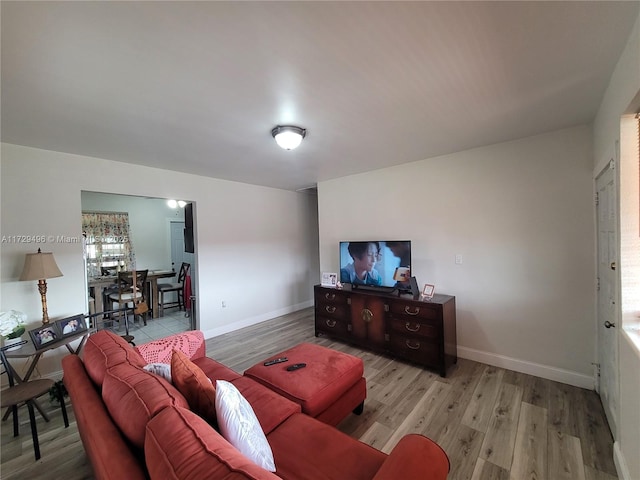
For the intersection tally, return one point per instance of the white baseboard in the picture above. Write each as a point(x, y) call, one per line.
point(620, 462)
point(248, 322)
point(539, 370)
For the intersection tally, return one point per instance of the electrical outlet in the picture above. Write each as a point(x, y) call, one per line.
point(224, 304)
point(459, 259)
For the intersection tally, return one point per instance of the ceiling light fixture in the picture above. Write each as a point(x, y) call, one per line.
point(288, 136)
point(176, 204)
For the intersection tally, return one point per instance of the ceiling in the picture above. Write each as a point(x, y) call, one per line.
point(197, 86)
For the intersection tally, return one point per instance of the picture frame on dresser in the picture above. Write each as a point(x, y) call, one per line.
point(428, 291)
point(329, 279)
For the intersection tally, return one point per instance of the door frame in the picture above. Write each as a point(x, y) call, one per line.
point(611, 418)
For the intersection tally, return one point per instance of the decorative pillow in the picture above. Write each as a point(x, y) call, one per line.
point(161, 369)
point(196, 387)
point(239, 425)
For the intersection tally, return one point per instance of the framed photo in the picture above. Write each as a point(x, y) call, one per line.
point(428, 290)
point(71, 325)
point(45, 334)
point(329, 279)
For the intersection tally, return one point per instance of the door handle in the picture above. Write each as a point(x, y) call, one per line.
point(367, 315)
point(608, 324)
point(613, 265)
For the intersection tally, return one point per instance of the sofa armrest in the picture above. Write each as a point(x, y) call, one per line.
point(415, 457)
point(191, 343)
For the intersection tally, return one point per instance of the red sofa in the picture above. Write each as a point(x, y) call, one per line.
point(136, 425)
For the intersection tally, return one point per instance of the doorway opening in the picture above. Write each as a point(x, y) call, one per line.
point(150, 236)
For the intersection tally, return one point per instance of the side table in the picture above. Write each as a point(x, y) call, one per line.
point(33, 354)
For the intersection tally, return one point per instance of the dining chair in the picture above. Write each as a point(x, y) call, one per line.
point(26, 393)
point(130, 292)
point(98, 320)
point(177, 287)
point(111, 288)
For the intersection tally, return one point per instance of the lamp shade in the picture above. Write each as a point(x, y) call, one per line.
point(38, 266)
point(288, 136)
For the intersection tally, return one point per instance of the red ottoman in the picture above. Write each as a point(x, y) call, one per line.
point(328, 388)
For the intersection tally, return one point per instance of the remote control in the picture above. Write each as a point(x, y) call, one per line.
point(275, 360)
point(296, 366)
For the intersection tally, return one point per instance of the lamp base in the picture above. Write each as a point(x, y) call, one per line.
point(42, 288)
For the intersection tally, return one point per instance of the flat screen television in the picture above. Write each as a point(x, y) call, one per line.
point(376, 264)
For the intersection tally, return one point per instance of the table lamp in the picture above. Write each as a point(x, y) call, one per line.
point(40, 266)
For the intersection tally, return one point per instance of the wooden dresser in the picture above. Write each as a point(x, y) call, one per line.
point(422, 332)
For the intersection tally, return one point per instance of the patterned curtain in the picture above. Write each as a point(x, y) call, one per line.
point(108, 242)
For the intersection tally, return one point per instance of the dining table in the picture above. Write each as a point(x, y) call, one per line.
point(98, 284)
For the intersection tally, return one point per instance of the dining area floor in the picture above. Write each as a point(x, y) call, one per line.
point(173, 321)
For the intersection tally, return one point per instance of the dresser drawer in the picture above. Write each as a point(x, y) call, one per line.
point(332, 296)
point(415, 349)
point(338, 311)
point(415, 327)
point(332, 326)
point(423, 310)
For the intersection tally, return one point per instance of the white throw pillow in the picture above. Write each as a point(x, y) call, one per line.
point(239, 426)
point(161, 369)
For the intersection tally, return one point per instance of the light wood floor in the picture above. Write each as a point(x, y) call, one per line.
point(494, 424)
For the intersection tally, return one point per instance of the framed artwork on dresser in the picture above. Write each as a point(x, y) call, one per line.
point(329, 279)
point(428, 291)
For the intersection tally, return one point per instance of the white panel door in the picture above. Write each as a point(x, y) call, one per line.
point(607, 333)
point(178, 255)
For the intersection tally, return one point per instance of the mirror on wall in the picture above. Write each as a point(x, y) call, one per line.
point(126, 232)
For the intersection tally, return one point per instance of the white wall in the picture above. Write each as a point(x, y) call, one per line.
point(623, 96)
point(148, 222)
point(256, 246)
point(520, 214)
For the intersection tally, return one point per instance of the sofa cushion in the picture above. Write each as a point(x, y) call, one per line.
point(191, 343)
point(133, 396)
point(196, 387)
point(239, 425)
point(306, 449)
point(181, 445)
point(105, 349)
point(270, 408)
point(215, 370)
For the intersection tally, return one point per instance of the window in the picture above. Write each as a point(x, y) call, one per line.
point(107, 241)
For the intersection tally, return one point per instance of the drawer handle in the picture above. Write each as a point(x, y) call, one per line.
point(330, 309)
point(414, 346)
point(330, 296)
point(409, 312)
point(408, 327)
point(367, 315)
point(331, 323)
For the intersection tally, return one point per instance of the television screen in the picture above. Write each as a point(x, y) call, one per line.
point(376, 263)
